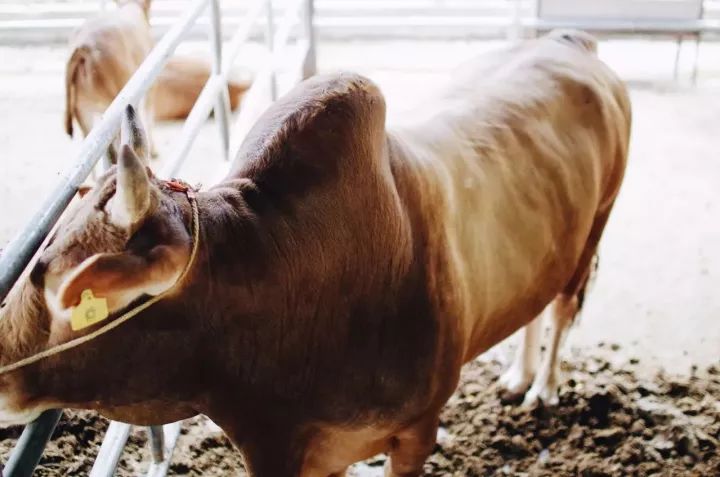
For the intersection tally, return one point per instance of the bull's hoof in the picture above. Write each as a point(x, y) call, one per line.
point(513, 383)
point(545, 395)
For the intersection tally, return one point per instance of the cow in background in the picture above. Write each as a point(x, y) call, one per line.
point(106, 51)
point(180, 83)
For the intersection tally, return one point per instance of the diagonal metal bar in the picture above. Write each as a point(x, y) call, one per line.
point(111, 450)
point(32, 441)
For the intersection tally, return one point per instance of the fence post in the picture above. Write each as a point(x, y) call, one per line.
point(270, 40)
point(222, 104)
point(29, 448)
point(309, 67)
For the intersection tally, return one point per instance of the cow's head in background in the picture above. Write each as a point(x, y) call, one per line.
point(126, 238)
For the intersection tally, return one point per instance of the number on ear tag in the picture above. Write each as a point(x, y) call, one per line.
point(91, 310)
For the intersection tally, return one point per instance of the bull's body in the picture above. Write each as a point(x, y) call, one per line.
point(347, 272)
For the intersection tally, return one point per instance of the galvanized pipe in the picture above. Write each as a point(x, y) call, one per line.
point(157, 443)
point(254, 96)
point(309, 66)
point(171, 432)
point(269, 39)
point(32, 442)
point(111, 449)
point(204, 103)
point(222, 103)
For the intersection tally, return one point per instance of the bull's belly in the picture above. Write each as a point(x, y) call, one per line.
point(501, 303)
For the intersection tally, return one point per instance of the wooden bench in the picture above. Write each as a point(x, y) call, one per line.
point(680, 19)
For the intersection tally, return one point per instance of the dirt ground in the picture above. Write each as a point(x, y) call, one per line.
point(609, 422)
point(656, 296)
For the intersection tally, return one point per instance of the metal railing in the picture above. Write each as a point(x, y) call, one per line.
point(214, 97)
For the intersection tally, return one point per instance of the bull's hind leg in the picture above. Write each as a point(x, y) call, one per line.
point(516, 380)
point(545, 385)
point(564, 309)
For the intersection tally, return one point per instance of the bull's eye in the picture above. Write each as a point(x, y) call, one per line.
point(37, 274)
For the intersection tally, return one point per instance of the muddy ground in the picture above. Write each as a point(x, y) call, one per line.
point(611, 421)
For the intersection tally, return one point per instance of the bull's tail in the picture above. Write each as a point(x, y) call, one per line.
point(586, 285)
point(76, 61)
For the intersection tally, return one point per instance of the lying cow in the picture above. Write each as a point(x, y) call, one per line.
point(344, 273)
point(106, 51)
point(179, 84)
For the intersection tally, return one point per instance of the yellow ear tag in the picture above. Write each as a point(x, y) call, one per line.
point(91, 310)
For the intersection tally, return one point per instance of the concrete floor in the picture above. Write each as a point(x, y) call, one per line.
point(658, 288)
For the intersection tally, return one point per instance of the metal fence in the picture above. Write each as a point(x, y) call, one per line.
point(298, 15)
point(44, 21)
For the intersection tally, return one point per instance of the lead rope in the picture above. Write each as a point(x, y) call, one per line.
point(125, 316)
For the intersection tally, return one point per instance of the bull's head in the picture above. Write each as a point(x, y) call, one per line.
point(126, 238)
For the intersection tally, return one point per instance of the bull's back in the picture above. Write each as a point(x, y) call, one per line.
point(117, 44)
point(525, 150)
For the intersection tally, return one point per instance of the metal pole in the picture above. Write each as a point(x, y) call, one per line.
point(309, 67)
point(676, 68)
point(269, 38)
point(222, 104)
point(30, 446)
point(111, 450)
point(157, 443)
point(171, 432)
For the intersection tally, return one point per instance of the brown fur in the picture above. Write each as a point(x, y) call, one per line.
point(346, 272)
point(180, 83)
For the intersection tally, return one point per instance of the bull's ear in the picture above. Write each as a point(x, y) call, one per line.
point(121, 278)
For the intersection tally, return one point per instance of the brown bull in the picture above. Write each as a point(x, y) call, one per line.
point(345, 272)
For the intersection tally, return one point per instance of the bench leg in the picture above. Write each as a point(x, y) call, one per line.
point(677, 57)
point(696, 59)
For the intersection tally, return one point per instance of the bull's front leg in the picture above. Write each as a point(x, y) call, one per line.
point(411, 447)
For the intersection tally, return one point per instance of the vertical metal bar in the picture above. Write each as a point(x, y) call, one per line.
point(157, 443)
point(676, 69)
point(29, 448)
point(172, 432)
point(111, 449)
point(269, 39)
point(222, 104)
point(309, 67)
point(515, 30)
point(696, 58)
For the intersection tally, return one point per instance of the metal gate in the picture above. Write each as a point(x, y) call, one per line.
point(214, 97)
